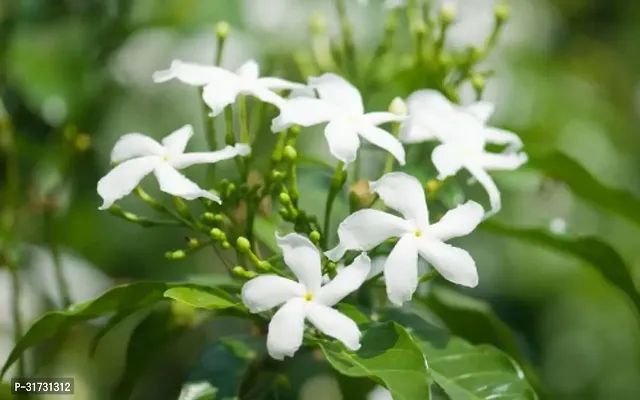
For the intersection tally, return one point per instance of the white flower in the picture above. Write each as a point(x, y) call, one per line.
point(463, 133)
point(139, 155)
point(340, 104)
point(222, 87)
point(365, 229)
point(306, 299)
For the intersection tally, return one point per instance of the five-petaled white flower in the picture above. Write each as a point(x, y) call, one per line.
point(463, 133)
point(340, 104)
point(368, 228)
point(222, 87)
point(139, 155)
point(306, 299)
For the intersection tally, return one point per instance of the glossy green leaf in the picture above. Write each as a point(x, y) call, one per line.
point(388, 355)
point(264, 229)
point(120, 299)
point(561, 167)
point(459, 312)
point(199, 298)
point(354, 313)
point(592, 250)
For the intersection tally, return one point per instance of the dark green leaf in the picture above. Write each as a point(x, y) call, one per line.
point(120, 299)
point(587, 248)
point(560, 167)
point(198, 298)
point(388, 355)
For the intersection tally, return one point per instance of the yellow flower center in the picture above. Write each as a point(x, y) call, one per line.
point(418, 233)
point(308, 296)
point(165, 157)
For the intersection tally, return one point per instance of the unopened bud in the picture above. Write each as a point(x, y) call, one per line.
point(502, 12)
point(290, 154)
point(264, 266)
point(83, 142)
point(243, 244)
point(447, 14)
point(284, 198)
point(398, 107)
point(314, 236)
point(277, 175)
point(217, 234)
point(175, 255)
point(433, 185)
point(209, 217)
point(225, 245)
point(222, 29)
point(360, 193)
point(193, 243)
point(478, 82)
point(295, 130)
point(317, 23)
point(239, 271)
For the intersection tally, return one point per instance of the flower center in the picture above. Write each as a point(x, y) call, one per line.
point(308, 296)
point(165, 157)
point(417, 233)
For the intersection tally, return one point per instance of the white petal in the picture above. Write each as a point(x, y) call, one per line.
point(220, 94)
point(489, 185)
point(334, 324)
point(266, 95)
point(343, 140)
point(413, 132)
point(286, 329)
point(482, 110)
point(403, 193)
point(365, 229)
point(401, 270)
point(502, 137)
point(121, 180)
point(176, 142)
point(134, 145)
point(268, 291)
point(192, 74)
point(303, 258)
point(379, 118)
point(274, 83)
point(338, 92)
point(502, 161)
point(446, 160)
point(188, 159)
point(303, 111)
point(173, 182)
point(384, 140)
point(453, 263)
point(432, 115)
point(457, 222)
point(379, 393)
point(250, 70)
point(377, 266)
point(346, 282)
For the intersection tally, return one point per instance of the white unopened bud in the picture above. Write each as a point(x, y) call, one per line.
point(398, 107)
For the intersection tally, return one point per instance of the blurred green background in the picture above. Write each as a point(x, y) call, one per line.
point(567, 77)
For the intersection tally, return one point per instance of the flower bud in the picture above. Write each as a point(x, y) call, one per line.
point(360, 194)
point(243, 244)
point(290, 154)
point(208, 216)
point(478, 82)
point(295, 130)
point(317, 23)
point(239, 271)
point(314, 236)
point(217, 234)
point(222, 30)
point(193, 243)
point(284, 198)
point(433, 185)
point(284, 213)
point(82, 142)
point(225, 245)
point(447, 14)
point(502, 12)
point(175, 255)
point(398, 107)
point(264, 266)
point(277, 175)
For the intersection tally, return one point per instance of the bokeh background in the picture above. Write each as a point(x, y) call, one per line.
point(567, 77)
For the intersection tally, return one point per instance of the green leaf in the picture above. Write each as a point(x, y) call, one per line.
point(198, 391)
point(264, 229)
point(388, 355)
point(354, 313)
point(560, 167)
point(198, 298)
point(120, 299)
point(590, 249)
point(459, 312)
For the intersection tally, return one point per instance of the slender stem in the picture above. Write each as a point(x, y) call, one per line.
point(244, 120)
point(348, 47)
point(388, 166)
point(17, 315)
point(428, 276)
point(337, 181)
point(54, 247)
point(230, 139)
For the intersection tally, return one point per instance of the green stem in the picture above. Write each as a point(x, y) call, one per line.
point(17, 315)
point(54, 246)
point(428, 276)
point(244, 120)
point(348, 47)
point(388, 166)
point(230, 139)
point(337, 181)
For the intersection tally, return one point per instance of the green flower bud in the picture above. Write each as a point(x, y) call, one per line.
point(284, 198)
point(398, 107)
point(209, 217)
point(222, 29)
point(447, 14)
point(502, 12)
point(478, 82)
point(290, 154)
point(284, 213)
point(314, 236)
point(239, 271)
point(264, 266)
point(295, 130)
point(225, 245)
point(243, 244)
point(175, 255)
point(217, 234)
point(193, 243)
point(433, 185)
point(317, 23)
point(277, 175)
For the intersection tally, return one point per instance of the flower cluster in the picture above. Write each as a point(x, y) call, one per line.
point(330, 100)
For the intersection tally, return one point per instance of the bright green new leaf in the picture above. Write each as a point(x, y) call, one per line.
point(198, 298)
point(388, 355)
point(559, 166)
point(118, 300)
point(590, 249)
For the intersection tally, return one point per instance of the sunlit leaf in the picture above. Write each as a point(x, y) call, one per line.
point(388, 355)
point(590, 249)
point(199, 298)
point(198, 391)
